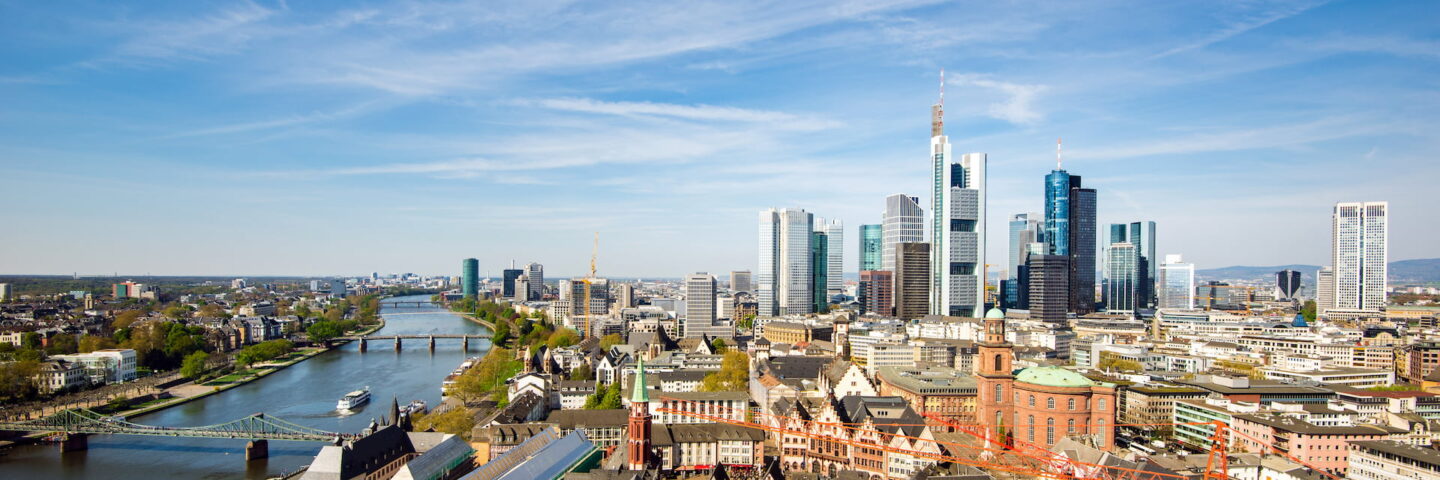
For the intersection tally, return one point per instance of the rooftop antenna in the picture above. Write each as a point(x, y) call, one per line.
point(937, 111)
point(942, 86)
point(1057, 154)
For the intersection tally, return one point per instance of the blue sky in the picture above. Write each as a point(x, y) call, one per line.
point(319, 138)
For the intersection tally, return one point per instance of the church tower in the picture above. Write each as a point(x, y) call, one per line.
point(994, 379)
point(639, 441)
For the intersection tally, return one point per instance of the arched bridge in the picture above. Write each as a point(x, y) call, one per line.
point(464, 339)
point(413, 304)
point(75, 424)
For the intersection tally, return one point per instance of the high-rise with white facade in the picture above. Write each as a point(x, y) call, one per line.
point(957, 226)
point(904, 222)
point(785, 274)
point(1121, 272)
point(535, 280)
point(834, 231)
point(1359, 253)
point(1177, 283)
point(700, 311)
point(1324, 289)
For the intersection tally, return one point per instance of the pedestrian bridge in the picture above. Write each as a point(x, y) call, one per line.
point(76, 424)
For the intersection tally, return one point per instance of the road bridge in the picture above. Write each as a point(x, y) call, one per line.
point(464, 339)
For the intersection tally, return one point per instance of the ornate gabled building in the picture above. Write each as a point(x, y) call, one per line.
point(1039, 405)
point(872, 420)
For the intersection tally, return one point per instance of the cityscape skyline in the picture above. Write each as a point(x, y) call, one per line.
point(654, 129)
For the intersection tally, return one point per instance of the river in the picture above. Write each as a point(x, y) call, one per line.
point(305, 394)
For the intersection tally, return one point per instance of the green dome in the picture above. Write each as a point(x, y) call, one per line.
point(994, 313)
point(1052, 377)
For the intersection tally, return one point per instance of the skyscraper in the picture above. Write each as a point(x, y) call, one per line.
point(1287, 284)
point(834, 256)
point(1121, 269)
point(1069, 230)
point(740, 281)
point(470, 277)
point(904, 221)
point(535, 280)
point(820, 268)
point(624, 295)
point(785, 274)
point(4, 292)
point(1359, 253)
point(1049, 288)
point(877, 292)
point(1024, 230)
point(508, 277)
point(1177, 283)
point(1324, 290)
point(1140, 237)
point(957, 227)
point(699, 305)
point(912, 280)
point(872, 247)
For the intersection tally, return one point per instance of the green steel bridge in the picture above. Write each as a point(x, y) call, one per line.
point(254, 427)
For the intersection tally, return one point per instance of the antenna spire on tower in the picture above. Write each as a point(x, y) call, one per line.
point(942, 86)
point(1057, 154)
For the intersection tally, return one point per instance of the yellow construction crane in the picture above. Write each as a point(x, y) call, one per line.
point(594, 252)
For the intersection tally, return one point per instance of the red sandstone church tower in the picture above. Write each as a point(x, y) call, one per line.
point(639, 441)
point(994, 378)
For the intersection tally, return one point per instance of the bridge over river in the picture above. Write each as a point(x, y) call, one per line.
point(74, 426)
point(464, 339)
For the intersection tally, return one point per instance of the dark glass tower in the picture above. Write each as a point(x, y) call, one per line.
point(872, 244)
point(470, 277)
point(819, 256)
point(1057, 211)
point(1082, 247)
point(508, 289)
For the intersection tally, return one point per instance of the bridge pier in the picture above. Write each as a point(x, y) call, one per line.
point(74, 442)
point(397, 343)
point(432, 344)
point(257, 449)
point(465, 343)
point(363, 344)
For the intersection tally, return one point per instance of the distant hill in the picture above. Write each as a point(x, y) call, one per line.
point(1410, 271)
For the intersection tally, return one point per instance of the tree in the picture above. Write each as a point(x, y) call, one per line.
point(1308, 310)
point(30, 340)
point(302, 310)
point(457, 421)
point(612, 397)
point(90, 343)
point(563, 338)
point(610, 340)
point(746, 322)
point(17, 380)
point(62, 344)
point(582, 372)
point(211, 310)
point(125, 318)
point(324, 330)
point(176, 311)
point(734, 374)
point(502, 332)
point(718, 344)
point(195, 365)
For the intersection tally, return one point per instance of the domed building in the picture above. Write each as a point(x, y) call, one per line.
point(1038, 405)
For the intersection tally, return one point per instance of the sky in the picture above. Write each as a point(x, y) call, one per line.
point(325, 138)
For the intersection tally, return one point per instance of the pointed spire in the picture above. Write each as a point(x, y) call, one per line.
point(639, 394)
point(1057, 154)
point(394, 411)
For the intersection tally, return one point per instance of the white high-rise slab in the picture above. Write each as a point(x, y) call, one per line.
point(784, 274)
point(957, 228)
point(1359, 254)
point(1177, 283)
point(904, 222)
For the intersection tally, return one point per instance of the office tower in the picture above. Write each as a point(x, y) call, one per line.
point(1082, 248)
point(834, 256)
point(904, 221)
point(1287, 284)
point(1049, 288)
point(877, 292)
point(470, 277)
point(957, 227)
point(337, 287)
point(507, 279)
point(1121, 270)
point(1177, 283)
point(785, 276)
point(1024, 230)
point(522, 289)
point(1359, 254)
point(699, 305)
point(740, 281)
point(872, 247)
point(912, 280)
point(4, 292)
point(820, 266)
point(1142, 236)
point(1324, 290)
point(624, 295)
point(535, 276)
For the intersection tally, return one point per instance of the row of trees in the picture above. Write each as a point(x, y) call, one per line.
point(264, 351)
point(486, 380)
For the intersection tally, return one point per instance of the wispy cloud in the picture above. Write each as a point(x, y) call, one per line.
point(1018, 103)
point(219, 32)
point(285, 121)
point(1274, 136)
point(688, 112)
point(1246, 22)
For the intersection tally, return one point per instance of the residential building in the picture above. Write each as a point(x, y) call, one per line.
point(942, 391)
point(877, 292)
point(740, 281)
point(60, 375)
point(103, 367)
point(699, 304)
point(872, 247)
point(1151, 406)
point(785, 278)
point(470, 277)
point(1049, 277)
point(1359, 254)
point(903, 222)
point(1391, 460)
point(1324, 446)
point(912, 280)
point(1177, 284)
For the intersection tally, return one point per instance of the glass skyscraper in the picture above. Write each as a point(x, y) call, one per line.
point(957, 228)
point(1057, 211)
point(1120, 279)
point(785, 278)
point(1177, 284)
point(819, 261)
point(872, 246)
point(470, 277)
point(904, 222)
point(1069, 231)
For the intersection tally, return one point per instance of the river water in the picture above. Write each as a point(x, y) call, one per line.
point(304, 393)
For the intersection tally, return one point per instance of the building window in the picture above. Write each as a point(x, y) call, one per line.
point(1070, 425)
point(1032, 403)
point(998, 367)
point(1032, 427)
point(1050, 431)
point(1102, 404)
point(1072, 404)
point(1050, 403)
point(999, 393)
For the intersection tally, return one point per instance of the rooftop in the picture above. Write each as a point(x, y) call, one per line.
point(1428, 456)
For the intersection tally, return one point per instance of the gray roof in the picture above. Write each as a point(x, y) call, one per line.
point(1428, 456)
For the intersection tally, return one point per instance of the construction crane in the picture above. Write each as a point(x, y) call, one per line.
point(594, 252)
point(991, 452)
